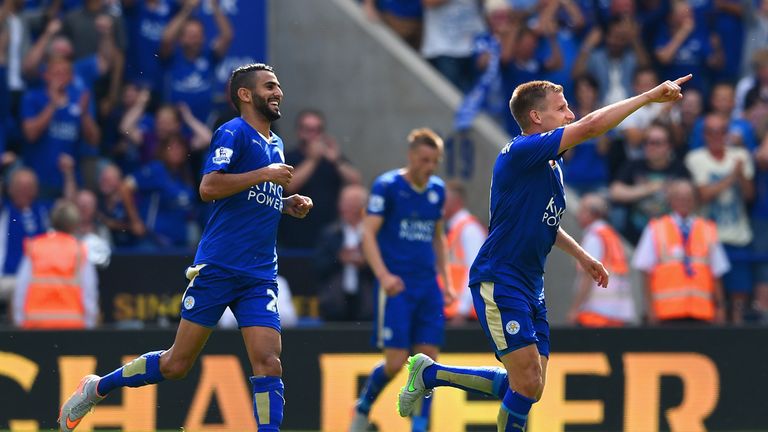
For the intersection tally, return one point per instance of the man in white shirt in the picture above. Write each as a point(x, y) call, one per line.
point(723, 174)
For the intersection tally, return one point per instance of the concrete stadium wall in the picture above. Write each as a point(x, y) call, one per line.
point(374, 90)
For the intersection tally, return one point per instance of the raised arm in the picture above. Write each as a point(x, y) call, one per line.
point(666, 53)
point(224, 38)
point(129, 123)
point(30, 65)
point(173, 28)
point(90, 129)
point(606, 118)
point(201, 133)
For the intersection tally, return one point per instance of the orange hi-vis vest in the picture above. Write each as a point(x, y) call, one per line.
point(675, 292)
point(615, 261)
point(456, 263)
point(54, 296)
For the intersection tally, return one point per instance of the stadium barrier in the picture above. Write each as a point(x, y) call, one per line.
point(678, 379)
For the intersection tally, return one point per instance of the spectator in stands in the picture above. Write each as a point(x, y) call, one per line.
point(633, 127)
point(491, 49)
point(569, 17)
point(56, 118)
point(723, 175)
point(595, 306)
point(612, 64)
point(756, 82)
point(640, 183)
point(587, 164)
point(687, 113)
point(404, 17)
point(57, 286)
point(191, 63)
point(90, 231)
point(527, 62)
point(87, 70)
point(16, 25)
point(320, 172)
point(166, 195)
point(116, 143)
point(22, 217)
point(145, 21)
point(465, 235)
point(169, 120)
point(86, 26)
point(682, 262)
point(450, 28)
point(722, 102)
point(346, 282)
point(117, 210)
point(686, 45)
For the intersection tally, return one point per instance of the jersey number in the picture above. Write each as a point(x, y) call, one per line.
point(272, 305)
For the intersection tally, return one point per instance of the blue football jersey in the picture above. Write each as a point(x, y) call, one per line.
point(410, 218)
point(242, 231)
point(527, 202)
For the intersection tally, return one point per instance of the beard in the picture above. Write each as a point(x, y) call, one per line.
point(262, 107)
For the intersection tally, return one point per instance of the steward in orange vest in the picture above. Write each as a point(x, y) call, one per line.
point(595, 306)
point(683, 261)
point(457, 259)
point(50, 280)
point(458, 219)
point(682, 284)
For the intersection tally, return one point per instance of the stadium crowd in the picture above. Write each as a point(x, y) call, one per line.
point(108, 104)
point(605, 51)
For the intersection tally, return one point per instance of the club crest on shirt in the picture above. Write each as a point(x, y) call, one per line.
point(222, 155)
point(189, 302)
point(512, 327)
point(375, 203)
point(432, 197)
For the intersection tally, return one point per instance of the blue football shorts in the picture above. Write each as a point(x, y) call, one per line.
point(212, 288)
point(509, 319)
point(415, 316)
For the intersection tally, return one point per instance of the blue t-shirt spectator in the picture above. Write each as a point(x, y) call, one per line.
point(62, 135)
point(191, 81)
point(690, 58)
point(166, 204)
point(15, 226)
point(145, 24)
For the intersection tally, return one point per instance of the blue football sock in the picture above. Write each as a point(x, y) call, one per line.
point(420, 421)
point(376, 382)
point(513, 413)
point(139, 372)
point(268, 402)
point(490, 381)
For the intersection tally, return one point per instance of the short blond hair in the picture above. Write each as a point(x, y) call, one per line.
point(529, 96)
point(426, 137)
